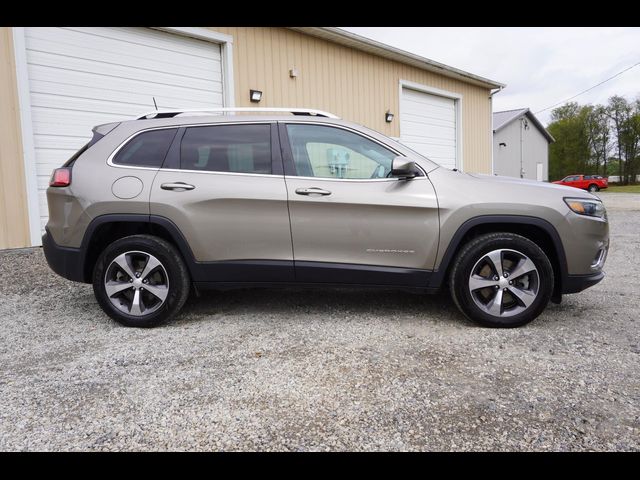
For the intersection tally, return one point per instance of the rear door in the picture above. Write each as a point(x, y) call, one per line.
point(351, 221)
point(222, 185)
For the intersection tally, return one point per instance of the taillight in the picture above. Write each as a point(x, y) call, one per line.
point(61, 177)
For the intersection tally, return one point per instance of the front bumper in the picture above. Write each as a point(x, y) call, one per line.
point(66, 262)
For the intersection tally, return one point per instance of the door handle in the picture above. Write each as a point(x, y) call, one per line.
point(177, 186)
point(312, 191)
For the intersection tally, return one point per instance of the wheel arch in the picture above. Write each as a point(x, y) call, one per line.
point(106, 229)
point(538, 230)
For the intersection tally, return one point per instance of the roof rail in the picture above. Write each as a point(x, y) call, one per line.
point(295, 111)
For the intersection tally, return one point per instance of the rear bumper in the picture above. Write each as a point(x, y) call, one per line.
point(66, 262)
point(578, 283)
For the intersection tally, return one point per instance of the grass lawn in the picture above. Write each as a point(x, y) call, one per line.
point(623, 189)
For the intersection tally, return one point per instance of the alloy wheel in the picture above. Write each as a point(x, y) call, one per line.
point(504, 283)
point(136, 283)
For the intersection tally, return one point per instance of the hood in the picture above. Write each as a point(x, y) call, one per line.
point(498, 179)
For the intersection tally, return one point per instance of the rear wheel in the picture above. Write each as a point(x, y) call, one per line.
point(593, 188)
point(140, 281)
point(501, 280)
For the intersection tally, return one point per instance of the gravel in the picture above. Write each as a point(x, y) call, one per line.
point(323, 369)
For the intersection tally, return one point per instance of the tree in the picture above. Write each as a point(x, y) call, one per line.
point(596, 139)
point(571, 151)
point(598, 134)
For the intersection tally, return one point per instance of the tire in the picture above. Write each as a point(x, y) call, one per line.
point(519, 302)
point(141, 298)
point(593, 188)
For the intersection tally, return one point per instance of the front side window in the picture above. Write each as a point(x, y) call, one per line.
point(227, 148)
point(147, 149)
point(329, 152)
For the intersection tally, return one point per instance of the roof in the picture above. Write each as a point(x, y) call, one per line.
point(337, 35)
point(504, 118)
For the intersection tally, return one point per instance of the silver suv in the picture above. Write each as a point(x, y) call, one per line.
point(174, 200)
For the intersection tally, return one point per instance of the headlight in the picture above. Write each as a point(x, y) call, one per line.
point(586, 206)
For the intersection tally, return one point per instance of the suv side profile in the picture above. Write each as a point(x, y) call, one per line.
point(153, 207)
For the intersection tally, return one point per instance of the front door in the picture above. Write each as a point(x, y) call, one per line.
point(223, 190)
point(351, 222)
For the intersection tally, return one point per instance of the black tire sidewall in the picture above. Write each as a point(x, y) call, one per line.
point(173, 264)
point(474, 252)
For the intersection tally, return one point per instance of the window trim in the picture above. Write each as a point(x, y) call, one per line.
point(126, 142)
point(275, 150)
point(289, 164)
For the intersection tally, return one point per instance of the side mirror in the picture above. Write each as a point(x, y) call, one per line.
point(403, 167)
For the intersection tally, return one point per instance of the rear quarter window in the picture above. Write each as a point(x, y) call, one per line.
point(147, 149)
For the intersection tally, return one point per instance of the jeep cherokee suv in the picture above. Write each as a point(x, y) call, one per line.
point(152, 207)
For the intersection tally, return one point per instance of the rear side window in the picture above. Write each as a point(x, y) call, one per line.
point(227, 148)
point(147, 149)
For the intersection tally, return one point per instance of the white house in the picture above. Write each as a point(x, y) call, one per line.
point(520, 145)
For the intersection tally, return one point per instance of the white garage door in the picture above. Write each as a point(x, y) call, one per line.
point(82, 77)
point(428, 125)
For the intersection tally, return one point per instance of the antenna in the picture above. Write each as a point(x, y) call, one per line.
point(154, 102)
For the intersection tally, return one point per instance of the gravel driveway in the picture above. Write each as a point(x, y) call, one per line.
point(322, 369)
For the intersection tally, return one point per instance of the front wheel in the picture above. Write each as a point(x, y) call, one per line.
point(501, 280)
point(593, 188)
point(140, 281)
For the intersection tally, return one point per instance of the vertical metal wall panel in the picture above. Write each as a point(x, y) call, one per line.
point(14, 214)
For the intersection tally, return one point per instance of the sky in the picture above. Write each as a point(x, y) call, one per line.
point(540, 65)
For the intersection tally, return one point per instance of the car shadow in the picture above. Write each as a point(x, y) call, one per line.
point(322, 302)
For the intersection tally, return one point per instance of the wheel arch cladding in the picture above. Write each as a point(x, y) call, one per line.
point(535, 229)
point(106, 229)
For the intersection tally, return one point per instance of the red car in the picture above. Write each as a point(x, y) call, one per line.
point(592, 183)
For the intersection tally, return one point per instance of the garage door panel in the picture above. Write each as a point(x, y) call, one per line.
point(126, 37)
point(434, 109)
point(150, 37)
point(120, 108)
point(55, 51)
point(431, 131)
point(428, 124)
point(161, 92)
point(416, 115)
point(423, 98)
point(82, 77)
point(436, 151)
point(54, 157)
point(104, 71)
point(58, 142)
point(430, 128)
point(419, 139)
point(56, 121)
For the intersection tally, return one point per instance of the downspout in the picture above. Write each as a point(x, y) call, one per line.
point(491, 131)
point(521, 127)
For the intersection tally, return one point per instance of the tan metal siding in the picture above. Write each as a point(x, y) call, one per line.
point(355, 85)
point(14, 224)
